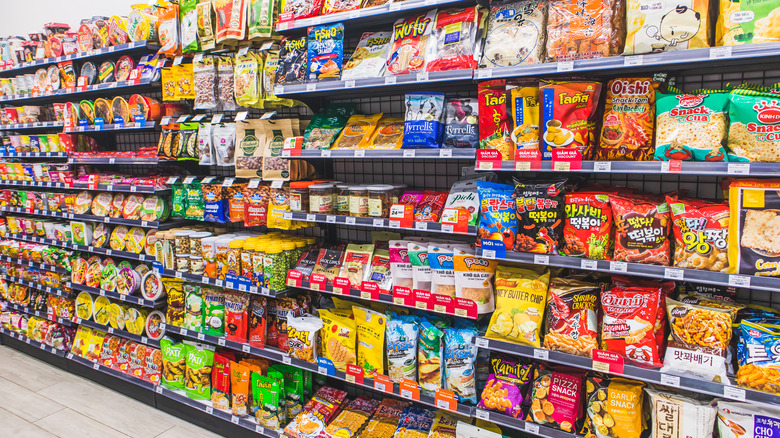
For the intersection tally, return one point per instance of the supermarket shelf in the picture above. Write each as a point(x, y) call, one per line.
point(455, 154)
point(39, 314)
point(116, 295)
point(119, 86)
point(433, 227)
point(664, 167)
point(25, 339)
point(378, 86)
point(117, 160)
point(526, 426)
point(225, 284)
point(366, 18)
point(42, 184)
point(35, 154)
point(120, 188)
point(756, 55)
point(276, 355)
point(42, 266)
point(119, 332)
point(648, 375)
point(654, 271)
point(39, 286)
point(121, 49)
point(108, 370)
point(75, 247)
point(92, 218)
point(114, 127)
point(34, 125)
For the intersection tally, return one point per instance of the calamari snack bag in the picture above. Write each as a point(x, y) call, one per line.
point(498, 213)
point(753, 134)
point(569, 118)
point(521, 298)
point(613, 406)
point(507, 385)
point(555, 397)
point(540, 215)
point(460, 357)
point(292, 66)
point(325, 52)
point(494, 130)
point(423, 120)
point(402, 334)
point(370, 340)
point(338, 337)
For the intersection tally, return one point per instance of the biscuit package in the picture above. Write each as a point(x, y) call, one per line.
point(385, 421)
point(474, 280)
point(338, 337)
point(415, 422)
point(572, 317)
point(460, 356)
point(753, 133)
point(754, 243)
point(521, 297)
point(402, 334)
point(691, 127)
point(614, 407)
point(678, 415)
point(506, 385)
point(578, 29)
point(429, 357)
point(370, 340)
point(326, 52)
point(556, 397)
point(667, 26)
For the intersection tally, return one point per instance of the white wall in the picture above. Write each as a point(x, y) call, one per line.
point(21, 17)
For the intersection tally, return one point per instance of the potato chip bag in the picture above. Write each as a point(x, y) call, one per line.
point(338, 337)
point(371, 340)
point(521, 297)
point(506, 385)
point(358, 129)
point(402, 335)
point(569, 117)
point(742, 22)
point(410, 39)
point(588, 227)
point(429, 357)
point(627, 326)
point(174, 363)
point(613, 406)
point(556, 397)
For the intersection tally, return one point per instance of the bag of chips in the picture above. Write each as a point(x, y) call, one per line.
point(588, 228)
point(368, 59)
point(700, 233)
point(356, 263)
point(402, 334)
point(292, 65)
point(642, 227)
point(627, 326)
point(523, 111)
point(371, 340)
point(691, 127)
point(199, 359)
point(459, 358)
point(258, 321)
point(338, 337)
point(430, 357)
point(515, 34)
point(451, 43)
point(429, 208)
point(746, 420)
point(236, 316)
point(753, 134)
point(572, 319)
point(302, 337)
point(675, 413)
point(461, 124)
point(410, 41)
point(569, 118)
point(463, 199)
point(506, 385)
point(494, 132)
point(326, 52)
point(325, 126)
point(389, 134)
point(540, 215)
point(498, 213)
point(357, 130)
point(556, 397)
point(613, 406)
point(422, 120)
point(415, 423)
point(521, 296)
point(667, 26)
point(473, 280)
point(757, 354)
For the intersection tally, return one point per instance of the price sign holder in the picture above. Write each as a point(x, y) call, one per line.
point(294, 278)
point(341, 286)
point(528, 160)
point(443, 304)
point(445, 400)
point(607, 362)
point(369, 291)
point(465, 307)
point(292, 146)
point(422, 299)
point(355, 374)
point(458, 218)
point(317, 282)
point(402, 296)
point(403, 213)
point(567, 159)
point(409, 389)
point(488, 159)
point(383, 383)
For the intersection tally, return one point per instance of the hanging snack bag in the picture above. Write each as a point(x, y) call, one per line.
point(556, 397)
point(358, 130)
point(225, 86)
point(429, 357)
point(422, 120)
point(338, 337)
point(515, 34)
point(628, 323)
point(356, 263)
point(451, 43)
point(540, 215)
point(691, 127)
point(299, 9)
point(572, 318)
point(402, 334)
point(523, 108)
point(588, 228)
point(676, 413)
point(410, 42)
point(629, 116)
point(389, 134)
point(614, 407)
point(231, 20)
point(701, 230)
point(247, 80)
point(292, 65)
point(498, 213)
point(189, 26)
point(199, 360)
point(400, 266)
point(569, 118)
point(379, 271)
point(584, 30)
point(459, 358)
point(753, 132)
point(258, 320)
point(205, 149)
point(521, 296)
point(368, 59)
point(461, 128)
point(421, 270)
point(494, 132)
point(507, 385)
point(370, 340)
point(326, 52)
point(223, 137)
point(667, 26)
point(261, 18)
point(642, 227)
point(474, 280)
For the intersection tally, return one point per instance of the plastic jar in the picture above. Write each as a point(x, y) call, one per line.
point(342, 199)
point(222, 247)
point(182, 241)
point(358, 201)
point(257, 262)
point(196, 242)
point(379, 200)
point(233, 258)
point(183, 262)
point(274, 273)
point(246, 258)
point(299, 195)
point(168, 250)
point(398, 191)
point(288, 249)
point(196, 265)
point(321, 198)
point(209, 246)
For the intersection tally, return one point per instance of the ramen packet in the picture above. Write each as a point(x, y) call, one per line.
point(451, 43)
point(368, 59)
point(325, 52)
point(461, 124)
point(292, 65)
point(422, 121)
point(410, 41)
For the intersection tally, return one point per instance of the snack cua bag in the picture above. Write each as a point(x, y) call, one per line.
point(753, 132)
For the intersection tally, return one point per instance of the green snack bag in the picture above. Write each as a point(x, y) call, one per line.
point(429, 357)
point(196, 208)
point(261, 18)
point(193, 318)
point(282, 401)
point(266, 394)
point(199, 360)
point(189, 26)
point(293, 388)
point(174, 363)
point(214, 307)
point(179, 201)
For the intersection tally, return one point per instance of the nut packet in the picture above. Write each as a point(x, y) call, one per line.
point(236, 316)
point(506, 385)
point(402, 335)
point(371, 340)
point(521, 298)
point(205, 148)
point(474, 280)
point(389, 134)
point(223, 139)
point(357, 130)
point(338, 338)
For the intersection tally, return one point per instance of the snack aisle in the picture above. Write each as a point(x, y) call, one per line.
point(403, 218)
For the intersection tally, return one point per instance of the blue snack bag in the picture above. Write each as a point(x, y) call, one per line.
point(423, 120)
point(326, 52)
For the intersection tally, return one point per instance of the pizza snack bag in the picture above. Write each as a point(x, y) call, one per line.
point(540, 215)
point(506, 385)
point(521, 297)
point(556, 397)
point(627, 326)
point(629, 118)
point(588, 228)
point(613, 406)
point(568, 117)
point(572, 317)
point(701, 231)
point(641, 229)
point(691, 127)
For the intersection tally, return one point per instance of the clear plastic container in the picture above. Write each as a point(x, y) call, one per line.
point(246, 258)
point(342, 199)
point(379, 200)
point(258, 256)
point(398, 190)
point(321, 198)
point(209, 245)
point(182, 241)
point(196, 265)
point(299, 195)
point(274, 271)
point(196, 242)
point(358, 201)
point(233, 257)
point(183, 262)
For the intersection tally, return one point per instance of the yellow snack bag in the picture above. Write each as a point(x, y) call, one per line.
point(358, 130)
point(389, 134)
point(338, 336)
point(371, 340)
point(342, 304)
point(524, 102)
point(521, 296)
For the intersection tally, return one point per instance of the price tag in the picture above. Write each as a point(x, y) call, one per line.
point(221, 342)
point(541, 354)
point(277, 184)
point(739, 280)
point(311, 217)
point(409, 389)
point(408, 153)
point(734, 393)
point(445, 400)
point(241, 116)
point(483, 414)
point(565, 66)
point(178, 60)
point(311, 87)
point(325, 154)
point(422, 77)
point(354, 374)
point(607, 362)
point(738, 168)
point(390, 79)
point(331, 219)
point(674, 274)
point(228, 182)
point(242, 51)
point(531, 428)
point(349, 84)
point(245, 348)
point(618, 266)
point(541, 259)
point(482, 343)
point(189, 180)
point(720, 53)
point(234, 419)
point(287, 360)
point(349, 220)
point(216, 118)
point(254, 183)
point(96, 366)
point(183, 331)
point(201, 336)
point(670, 380)
point(602, 166)
point(209, 409)
point(207, 179)
point(260, 429)
point(421, 226)
point(360, 153)
point(629, 61)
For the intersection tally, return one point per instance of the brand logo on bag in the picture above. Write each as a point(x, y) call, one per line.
point(414, 29)
point(324, 34)
point(470, 261)
point(630, 87)
point(691, 100)
point(768, 112)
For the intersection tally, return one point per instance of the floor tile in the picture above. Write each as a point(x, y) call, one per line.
point(25, 403)
point(27, 371)
point(182, 432)
point(16, 427)
point(68, 423)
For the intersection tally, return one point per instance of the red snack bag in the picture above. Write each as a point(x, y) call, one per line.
point(220, 380)
point(628, 323)
point(667, 288)
point(109, 351)
point(641, 229)
point(122, 356)
point(701, 231)
point(430, 206)
point(568, 116)
point(298, 9)
point(236, 202)
point(572, 318)
point(258, 317)
point(494, 132)
point(153, 365)
point(279, 310)
point(137, 364)
point(588, 228)
point(411, 197)
point(236, 316)
point(256, 205)
point(556, 397)
point(452, 40)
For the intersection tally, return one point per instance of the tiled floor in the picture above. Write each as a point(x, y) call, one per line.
point(39, 400)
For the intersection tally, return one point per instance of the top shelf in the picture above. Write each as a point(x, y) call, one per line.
point(124, 49)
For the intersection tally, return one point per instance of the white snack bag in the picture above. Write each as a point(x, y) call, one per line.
point(368, 59)
point(678, 415)
point(205, 149)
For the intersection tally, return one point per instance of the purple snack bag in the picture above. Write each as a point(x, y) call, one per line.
point(507, 383)
point(411, 197)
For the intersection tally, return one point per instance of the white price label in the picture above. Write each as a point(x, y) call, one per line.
point(485, 74)
point(349, 220)
point(277, 184)
point(208, 179)
point(394, 224)
point(445, 153)
point(390, 79)
point(738, 168)
point(331, 219)
point(349, 84)
point(311, 87)
point(311, 217)
point(739, 280)
point(720, 52)
point(422, 77)
point(588, 264)
point(287, 215)
point(488, 254)
point(325, 154)
point(379, 386)
point(221, 342)
point(183, 331)
point(447, 228)
point(360, 153)
point(379, 222)
point(602, 166)
point(734, 393)
point(287, 360)
point(234, 419)
point(70, 356)
point(421, 226)
point(483, 414)
point(408, 153)
point(618, 266)
point(228, 182)
point(96, 366)
point(674, 274)
point(629, 61)
point(216, 118)
point(565, 66)
point(241, 116)
point(531, 428)
point(254, 183)
point(482, 343)
point(209, 409)
point(201, 336)
point(322, 370)
point(670, 380)
point(245, 348)
point(541, 259)
point(189, 180)
point(144, 340)
point(541, 354)
point(260, 429)
point(219, 282)
point(405, 393)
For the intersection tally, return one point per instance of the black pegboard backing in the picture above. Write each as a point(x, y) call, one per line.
point(345, 233)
